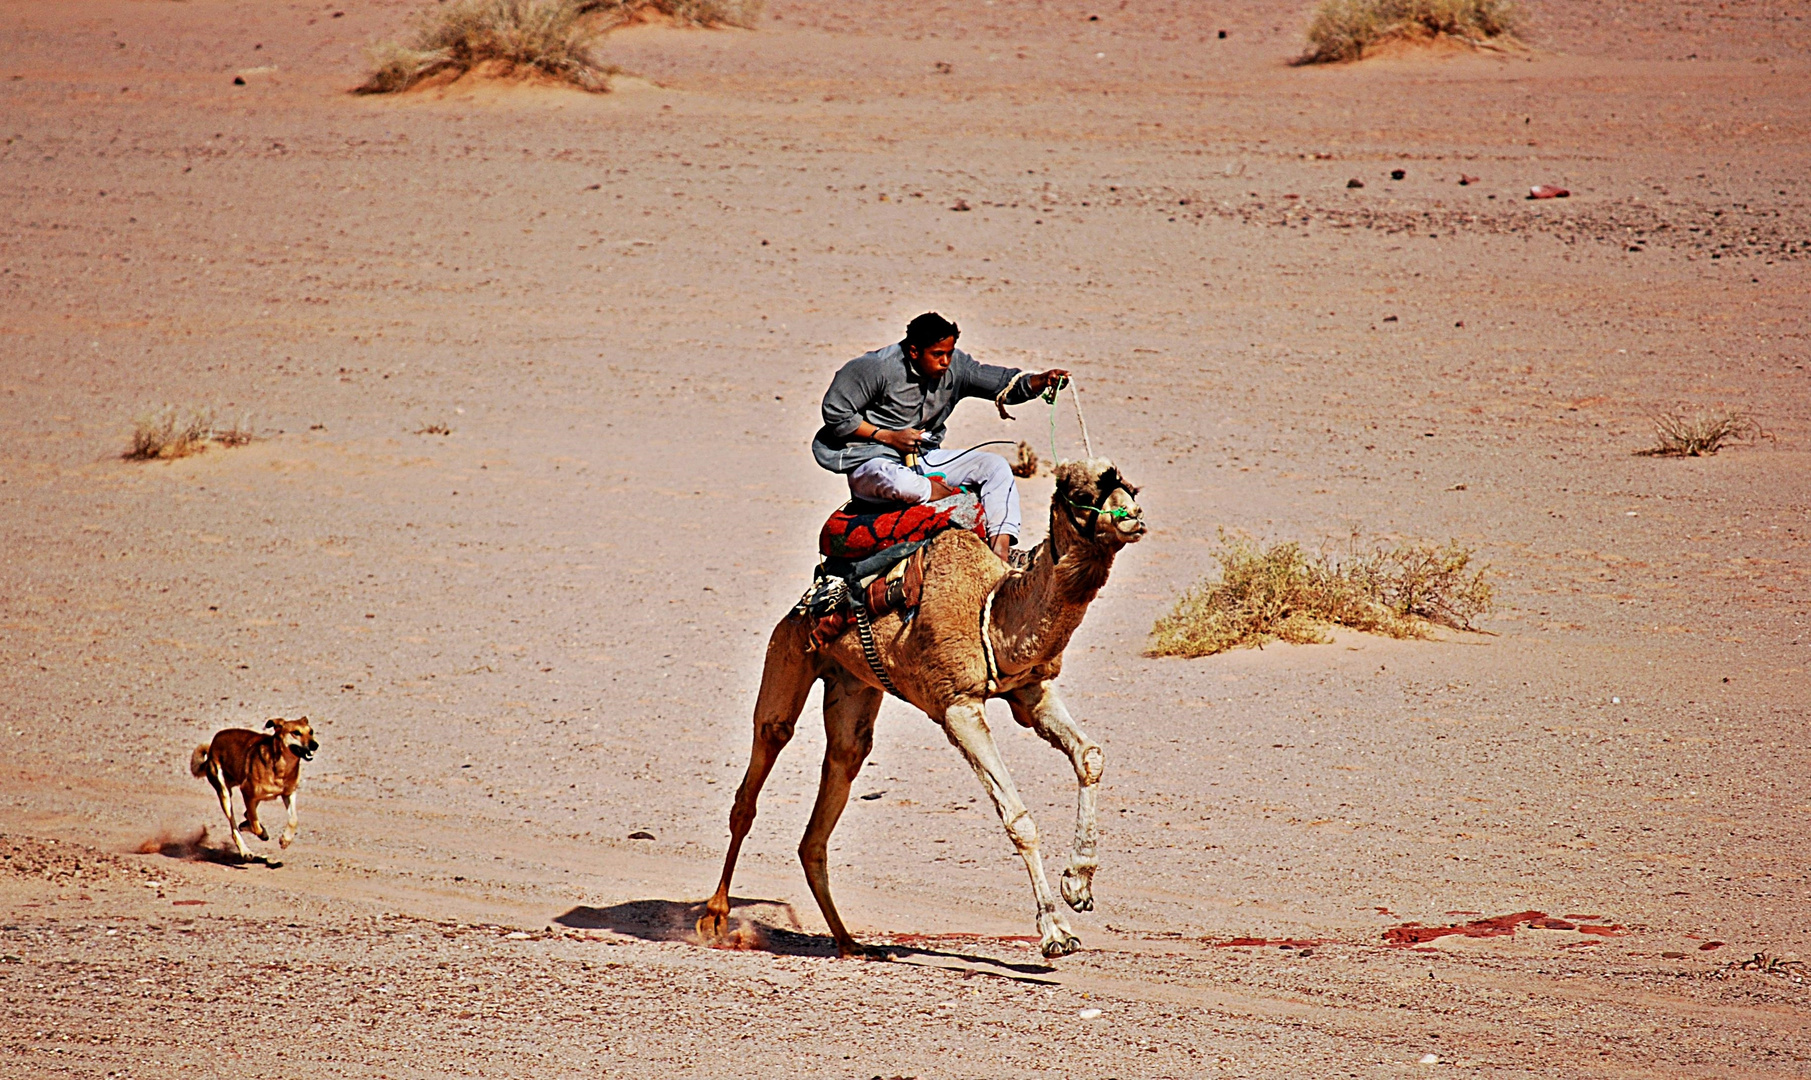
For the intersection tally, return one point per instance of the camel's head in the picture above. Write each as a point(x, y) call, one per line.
point(1101, 504)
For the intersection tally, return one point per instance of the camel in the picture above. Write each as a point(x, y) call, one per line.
point(939, 661)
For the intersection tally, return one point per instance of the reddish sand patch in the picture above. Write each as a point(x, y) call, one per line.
point(1495, 926)
point(1258, 942)
point(923, 939)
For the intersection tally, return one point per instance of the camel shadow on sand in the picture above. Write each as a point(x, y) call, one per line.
point(772, 926)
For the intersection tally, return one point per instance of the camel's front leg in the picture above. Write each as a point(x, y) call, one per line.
point(1038, 707)
point(966, 725)
point(850, 707)
point(289, 829)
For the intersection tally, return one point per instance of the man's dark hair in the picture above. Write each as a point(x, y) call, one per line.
point(929, 329)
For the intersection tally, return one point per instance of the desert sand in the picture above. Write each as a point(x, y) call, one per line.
point(522, 640)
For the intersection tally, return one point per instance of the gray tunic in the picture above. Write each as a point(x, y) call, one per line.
point(882, 388)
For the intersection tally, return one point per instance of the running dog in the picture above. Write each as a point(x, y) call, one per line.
point(261, 767)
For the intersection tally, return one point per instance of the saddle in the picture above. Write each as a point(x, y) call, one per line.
point(873, 561)
point(861, 529)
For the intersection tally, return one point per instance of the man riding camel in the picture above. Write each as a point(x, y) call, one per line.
point(884, 418)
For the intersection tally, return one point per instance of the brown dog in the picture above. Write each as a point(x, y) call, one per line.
point(261, 767)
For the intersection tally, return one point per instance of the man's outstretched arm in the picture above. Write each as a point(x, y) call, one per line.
point(990, 381)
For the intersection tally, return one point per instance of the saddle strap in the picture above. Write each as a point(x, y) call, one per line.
point(865, 631)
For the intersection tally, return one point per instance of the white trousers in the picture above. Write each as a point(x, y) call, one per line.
point(885, 480)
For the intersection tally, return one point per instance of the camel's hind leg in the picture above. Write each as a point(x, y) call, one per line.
point(1038, 707)
point(966, 725)
point(785, 684)
point(850, 707)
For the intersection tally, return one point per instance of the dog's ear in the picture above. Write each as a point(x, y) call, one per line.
point(271, 724)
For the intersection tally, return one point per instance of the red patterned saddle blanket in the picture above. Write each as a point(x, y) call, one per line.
point(859, 529)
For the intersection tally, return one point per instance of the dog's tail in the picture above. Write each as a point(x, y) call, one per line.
point(198, 761)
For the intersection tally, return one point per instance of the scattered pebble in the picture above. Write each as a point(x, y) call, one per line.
point(641, 834)
point(1548, 191)
point(1398, 174)
point(1355, 182)
point(517, 935)
point(1089, 1014)
point(1430, 1059)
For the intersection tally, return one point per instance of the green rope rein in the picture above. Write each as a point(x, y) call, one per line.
point(1050, 395)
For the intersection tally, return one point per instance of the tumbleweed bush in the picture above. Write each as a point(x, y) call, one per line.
point(1675, 435)
point(1025, 460)
point(1344, 29)
point(554, 37)
point(169, 433)
point(1282, 593)
point(690, 12)
point(173, 433)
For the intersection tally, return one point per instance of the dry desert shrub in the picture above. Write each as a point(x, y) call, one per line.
point(172, 433)
point(237, 433)
point(1701, 435)
point(1344, 29)
point(686, 12)
point(1281, 593)
point(552, 37)
point(1025, 460)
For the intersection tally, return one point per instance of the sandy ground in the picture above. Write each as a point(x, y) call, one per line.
point(522, 641)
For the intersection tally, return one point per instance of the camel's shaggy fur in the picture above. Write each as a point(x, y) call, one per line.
point(937, 661)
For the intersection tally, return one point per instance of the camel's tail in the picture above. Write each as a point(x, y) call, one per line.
point(198, 761)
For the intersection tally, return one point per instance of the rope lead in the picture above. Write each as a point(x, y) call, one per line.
point(1075, 396)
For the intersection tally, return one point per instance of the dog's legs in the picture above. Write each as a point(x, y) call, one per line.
point(218, 779)
point(251, 824)
point(289, 830)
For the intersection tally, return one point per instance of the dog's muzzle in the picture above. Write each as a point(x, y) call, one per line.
point(306, 753)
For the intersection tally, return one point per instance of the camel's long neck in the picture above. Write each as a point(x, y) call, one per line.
point(1036, 612)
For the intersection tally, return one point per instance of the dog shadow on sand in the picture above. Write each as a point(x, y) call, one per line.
point(194, 847)
point(772, 926)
